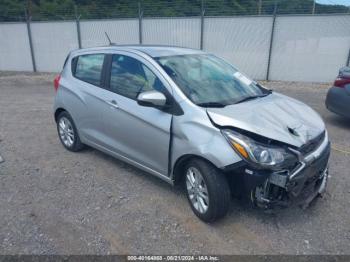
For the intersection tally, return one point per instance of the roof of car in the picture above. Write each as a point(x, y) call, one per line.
point(152, 50)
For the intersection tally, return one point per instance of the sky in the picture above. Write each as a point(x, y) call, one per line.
point(333, 2)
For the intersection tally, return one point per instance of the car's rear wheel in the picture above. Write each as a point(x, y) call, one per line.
point(67, 132)
point(207, 190)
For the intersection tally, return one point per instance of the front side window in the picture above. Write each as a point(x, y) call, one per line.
point(129, 77)
point(89, 68)
point(206, 79)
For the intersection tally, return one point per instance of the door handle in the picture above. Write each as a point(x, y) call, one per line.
point(113, 104)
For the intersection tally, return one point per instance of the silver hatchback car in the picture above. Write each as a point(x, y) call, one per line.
point(187, 116)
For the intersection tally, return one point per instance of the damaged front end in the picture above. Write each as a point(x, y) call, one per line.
point(295, 182)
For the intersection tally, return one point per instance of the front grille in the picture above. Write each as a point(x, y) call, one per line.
point(313, 144)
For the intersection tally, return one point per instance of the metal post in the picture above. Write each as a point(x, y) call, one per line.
point(348, 62)
point(28, 19)
point(259, 6)
point(77, 21)
point(202, 24)
point(140, 22)
point(271, 41)
point(313, 7)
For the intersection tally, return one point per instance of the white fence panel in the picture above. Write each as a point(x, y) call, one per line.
point(14, 47)
point(243, 41)
point(309, 48)
point(120, 31)
point(52, 42)
point(305, 47)
point(183, 32)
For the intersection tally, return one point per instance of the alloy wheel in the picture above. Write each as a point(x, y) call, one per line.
point(197, 190)
point(66, 131)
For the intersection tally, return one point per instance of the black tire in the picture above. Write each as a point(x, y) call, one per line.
point(77, 144)
point(217, 188)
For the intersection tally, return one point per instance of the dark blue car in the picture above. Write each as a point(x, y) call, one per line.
point(338, 97)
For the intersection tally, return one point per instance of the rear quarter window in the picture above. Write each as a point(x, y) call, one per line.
point(88, 68)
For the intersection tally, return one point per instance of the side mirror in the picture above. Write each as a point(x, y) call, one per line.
point(152, 99)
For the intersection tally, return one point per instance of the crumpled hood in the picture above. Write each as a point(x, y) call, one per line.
point(272, 116)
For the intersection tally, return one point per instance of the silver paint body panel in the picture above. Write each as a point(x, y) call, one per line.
point(271, 116)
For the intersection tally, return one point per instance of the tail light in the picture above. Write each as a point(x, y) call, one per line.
point(341, 82)
point(56, 82)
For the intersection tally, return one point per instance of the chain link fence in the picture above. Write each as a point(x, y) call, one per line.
point(265, 43)
point(15, 11)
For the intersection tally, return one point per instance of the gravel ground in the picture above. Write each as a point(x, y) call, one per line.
point(56, 202)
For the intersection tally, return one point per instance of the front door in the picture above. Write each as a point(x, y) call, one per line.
point(141, 134)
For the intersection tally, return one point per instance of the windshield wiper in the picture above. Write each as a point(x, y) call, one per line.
point(247, 98)
point(211, 104)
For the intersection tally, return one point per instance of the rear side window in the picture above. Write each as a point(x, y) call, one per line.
point(89, 68)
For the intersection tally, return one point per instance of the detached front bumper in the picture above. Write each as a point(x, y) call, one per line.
point(300, 186)
point(284, 188)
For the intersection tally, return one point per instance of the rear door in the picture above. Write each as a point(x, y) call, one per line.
point(141, 134)
point(87, 103)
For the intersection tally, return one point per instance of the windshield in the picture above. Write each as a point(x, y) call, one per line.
point(209, 81)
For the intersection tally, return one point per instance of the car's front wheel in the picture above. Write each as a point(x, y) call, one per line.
point(207, 190)
point(68, 133)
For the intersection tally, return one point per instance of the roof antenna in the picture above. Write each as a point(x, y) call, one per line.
point(109, 40)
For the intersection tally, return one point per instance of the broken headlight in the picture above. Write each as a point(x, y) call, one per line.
point(259, 154)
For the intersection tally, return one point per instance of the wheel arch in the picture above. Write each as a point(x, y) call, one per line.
point(58, 112)
point(178, 170)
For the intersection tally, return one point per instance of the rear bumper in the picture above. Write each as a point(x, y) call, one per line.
point(338, 101)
